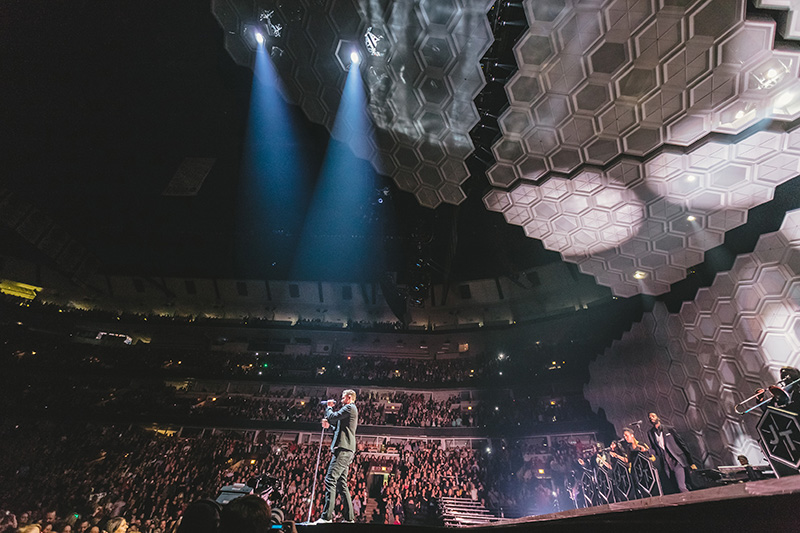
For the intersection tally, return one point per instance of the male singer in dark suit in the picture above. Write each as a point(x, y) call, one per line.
point(343, 448)
point(671, 451)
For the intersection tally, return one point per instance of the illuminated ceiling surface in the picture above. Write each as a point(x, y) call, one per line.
point(698, 363)
point(635, 134)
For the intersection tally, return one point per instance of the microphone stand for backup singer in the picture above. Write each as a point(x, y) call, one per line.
point(316, 469)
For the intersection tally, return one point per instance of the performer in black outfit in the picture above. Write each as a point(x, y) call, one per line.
point(789, 399)
point(671, 451)
point(344, 449)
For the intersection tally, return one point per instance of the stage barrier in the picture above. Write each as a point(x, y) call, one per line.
point(596, 484)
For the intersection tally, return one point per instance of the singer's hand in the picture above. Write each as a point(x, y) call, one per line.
point(325, 424)
point(331, 403)
point(693, 467)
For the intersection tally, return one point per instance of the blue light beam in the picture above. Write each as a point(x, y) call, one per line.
point(274, 176)
point(339, 237)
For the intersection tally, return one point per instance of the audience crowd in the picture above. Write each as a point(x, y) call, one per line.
point(379, 409)
point(60, 343)
point(125, 400)
point(76, 477)
point(77, 458)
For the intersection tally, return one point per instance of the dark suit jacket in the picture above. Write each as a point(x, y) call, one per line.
point(346, 421)
point(673, 443)
point(792, 403)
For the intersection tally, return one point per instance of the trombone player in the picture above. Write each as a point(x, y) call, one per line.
point(784, 397)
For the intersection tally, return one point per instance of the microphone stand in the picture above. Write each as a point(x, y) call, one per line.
point(316, 469)
point(636, 425)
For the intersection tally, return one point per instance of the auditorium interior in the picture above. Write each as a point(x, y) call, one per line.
point(515, 228)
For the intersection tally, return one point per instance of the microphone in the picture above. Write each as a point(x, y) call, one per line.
point(635, 423)
point(325, 402)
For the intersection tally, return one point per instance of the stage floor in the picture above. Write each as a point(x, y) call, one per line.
point(760, 506)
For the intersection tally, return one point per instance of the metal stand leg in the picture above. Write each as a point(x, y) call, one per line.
point(657, 473)
point(316, 469)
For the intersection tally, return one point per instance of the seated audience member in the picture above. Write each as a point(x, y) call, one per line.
point(200, 517)
point(117, 525)
point(248, 514)
point(8, 522)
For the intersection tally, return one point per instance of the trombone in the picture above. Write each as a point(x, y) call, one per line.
point(779, 391)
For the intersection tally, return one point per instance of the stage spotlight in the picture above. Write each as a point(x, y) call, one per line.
point(771, 73)
point(273, 29)
point(348, 53)
point(259, 37)
point(375, 41)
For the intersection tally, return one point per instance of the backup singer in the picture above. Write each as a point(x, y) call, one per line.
point(632, 447)
point(344, 449)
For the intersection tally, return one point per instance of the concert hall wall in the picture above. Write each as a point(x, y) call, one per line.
point(694, 366)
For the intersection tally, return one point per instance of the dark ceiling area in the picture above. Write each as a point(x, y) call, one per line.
point(102, 102)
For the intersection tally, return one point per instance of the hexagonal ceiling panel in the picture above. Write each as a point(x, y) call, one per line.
point(421, 66)
point(604, 151)
point(638, 226)
point(602, 80)
point(699, 363)
point(618, 77)
point(790, 21)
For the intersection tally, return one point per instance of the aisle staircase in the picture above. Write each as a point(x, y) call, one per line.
point(369, 511)
point(461, 512)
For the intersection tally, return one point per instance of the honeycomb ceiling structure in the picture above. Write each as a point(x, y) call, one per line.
point(694, 366)
point(790, 22)
point(636, 134)
point(638, 226)
point(619, 116)
point(421, 67)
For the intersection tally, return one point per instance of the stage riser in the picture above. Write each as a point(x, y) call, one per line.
point(759, 506)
